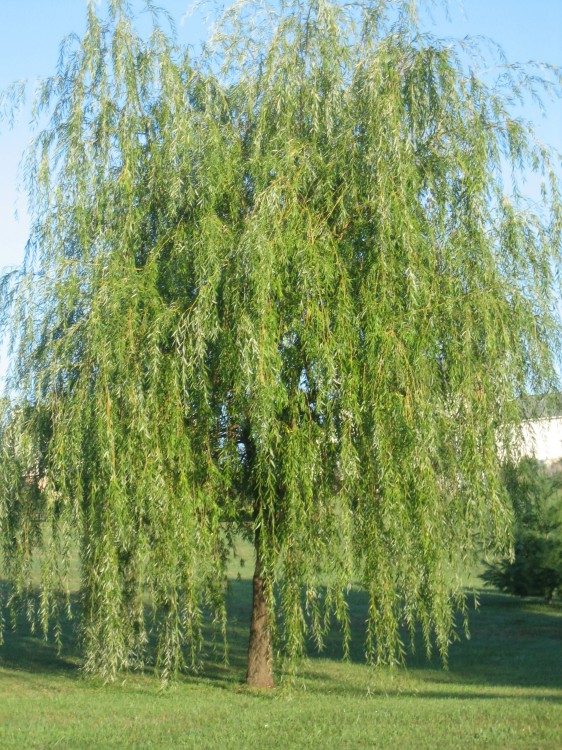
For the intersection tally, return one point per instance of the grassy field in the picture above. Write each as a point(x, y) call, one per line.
point(503, 689)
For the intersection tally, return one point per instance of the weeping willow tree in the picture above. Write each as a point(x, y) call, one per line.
point(280, 290)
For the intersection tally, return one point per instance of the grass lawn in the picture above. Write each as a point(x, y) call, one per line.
point(503, 689)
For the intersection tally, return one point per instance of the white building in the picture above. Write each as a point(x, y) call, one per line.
point(543, 439)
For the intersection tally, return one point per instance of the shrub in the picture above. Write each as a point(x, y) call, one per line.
point(535, 569)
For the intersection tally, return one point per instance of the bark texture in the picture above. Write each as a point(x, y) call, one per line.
point(260, 648)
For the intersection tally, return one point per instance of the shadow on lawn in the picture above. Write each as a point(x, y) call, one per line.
point(25, 650)
point(513, 643)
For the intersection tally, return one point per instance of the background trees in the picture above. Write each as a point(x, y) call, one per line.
point(536, 566)
point(280, 291)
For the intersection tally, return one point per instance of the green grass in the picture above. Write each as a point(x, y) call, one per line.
point(503, 689)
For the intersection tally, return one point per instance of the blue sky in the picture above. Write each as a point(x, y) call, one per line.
point(31, 31)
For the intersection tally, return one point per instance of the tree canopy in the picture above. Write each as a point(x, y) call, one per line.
point(278, 289)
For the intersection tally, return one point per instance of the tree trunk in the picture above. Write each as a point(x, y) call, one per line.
point(260, 648)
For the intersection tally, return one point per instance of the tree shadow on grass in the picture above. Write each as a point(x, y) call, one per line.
point(513, 643)
point(26, 649)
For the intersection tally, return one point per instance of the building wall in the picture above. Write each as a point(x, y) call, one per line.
point(543, 439)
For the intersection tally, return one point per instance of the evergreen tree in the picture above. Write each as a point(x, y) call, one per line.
point(281, 290)
point(535, 569)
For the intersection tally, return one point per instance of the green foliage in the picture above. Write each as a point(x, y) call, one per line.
point(277, 289)
point(535, 569)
